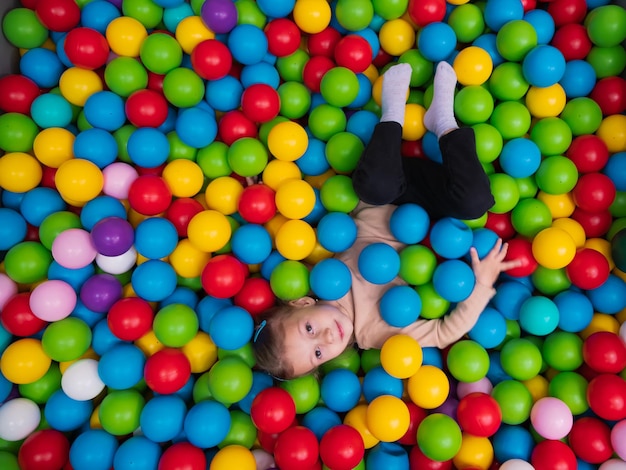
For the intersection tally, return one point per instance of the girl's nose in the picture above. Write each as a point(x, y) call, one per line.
point(328, 335)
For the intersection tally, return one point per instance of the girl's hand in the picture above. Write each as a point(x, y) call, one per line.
point(489, 268)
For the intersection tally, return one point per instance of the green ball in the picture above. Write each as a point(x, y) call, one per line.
point(247, 156)
point(337, 194)
point(339, 86)
point(121, 137)
point(467, 22)
point(201, 389)
point(295, 99)
point(530, 216)
point(120, 410)
point(81, 121)
point(289, 280)
point(67, 339)
point(245, 353)
point(390, 9)
point(489, 142)
point(23, 29)
point(305, 392)
point(8, 461)
point(616, 226)
point(125, 75)
point(550, 281)
point(326, 120)
point(417, 264)
point(618, 207)
point(248, 12)
point(513, 330)
point(527, 187)
point(147, 12)
point(507, 82)
point(515, 401)
point(56, 223)
point(175, 325)
point(439, 437)
point(230, 380)
point(607, 61)
point(349, 359)
point(370, 358)
point(17, 132)
point(467, 361)
point(505, 192)
point(242, 431)
point(583, 115)
point(266, 127)
point(160, 53)
point(183, 87)
point(473, 104)
point(433, 304)
point(571, 388)
point(556, 175)
point(213, 160)
point(511, 118)
point(521, 359)
point(354, 15)
point(422, 69)
point(178, 149)
point(515, 39)
point(618, 249)
point(606, 25)
point(42, 389)
point(563, 350)
point(290, 67)
point(343, 152)
point(27, 262)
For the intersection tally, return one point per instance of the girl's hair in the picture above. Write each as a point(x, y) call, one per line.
point(268, 342)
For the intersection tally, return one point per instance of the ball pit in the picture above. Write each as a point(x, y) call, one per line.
point(136, 247)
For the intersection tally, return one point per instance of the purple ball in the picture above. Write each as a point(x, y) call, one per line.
point(448, 407)
point(220, 16)
point(113, 236)
point(100, 292)
point(117, 3)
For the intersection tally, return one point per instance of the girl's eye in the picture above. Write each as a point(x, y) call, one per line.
point(318, 354)
point(308, 328)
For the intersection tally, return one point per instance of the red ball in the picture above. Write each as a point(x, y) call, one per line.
point(354, 53)
point(501, 225)
point(418, 461)
point(341, 447)
point(58, 15)
point(589, 269)
point(521, 249)
point(155, 82)
point(423, 12)
point(324, 42)
point(146, 108)
point(605, 352)
point(17, 94)
point(479, 414)
point(529, 5)
point(211, 59)
point(17, 317)
point(234, 125)
point(273, 410)
point(412, 149)
point(296, 449)
point(606, 395)
point(314, 71)
point(181, 211)
point(167, 371)
point(382, 58)
point(594, 192)
point(86, 48)
point(149, 195)
point(46, 449)
point(47, 177)
point(130, 318)
point(223, 276)
point(595, 224)
point(257, 204)
point(255, 296)
point(182, 456)
point(260, 102)
point(283, 37)
point(610, 94)
point(573, 41)
point(267, 441)
point(416, 416)
point(588, 152)
point(567, 11)
point(590, 439)
point(553, 455)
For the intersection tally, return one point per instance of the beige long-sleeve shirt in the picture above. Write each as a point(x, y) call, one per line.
point(362, 303)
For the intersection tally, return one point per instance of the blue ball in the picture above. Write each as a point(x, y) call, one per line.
point(340, 390)
point(543, 23)
point(318, 210)
point(42, 66)
point(330, 279)
point(387, 455)
point(313, 162)
point(51, 110)
point(13, 228)
point(251, 243)
point(378, 382)
point(260, 381)
point(162, 417)
point(209, 306)
point(364, 94)
point(137, 453)
point(261, 72)
point(336, 231)
point(499, 12)
point(409, 223)
point(174, 15)
point(400, 306)
point(231, 328)
point(170, 121)
point(484, 240)
point(319, 420)
point(65, 414)
point(520, 157)
point(575, 310)
point(543, 66)
point(224, 94)
point(539, 315)
point(60, 51)
point(148, 147)
point(6, 387)
point(105, 110)
point(509, 298)
point(154, 280)
point(379, 263)
point(181, 295)
point(207, 424)
point(430, 145)
point(436, 41)
point(490, 329)
point(273, 260)
point(453, 280)
point(155, 238)
point(93, 449)
point(98, 14)
point(578, 79)
point(614, 170)
point(39, 203)
point(196, 127)
point(100, 208)
point(610, 297)
point(248, 43)
point(96, 145)
point(488, 42)
point(121, 367)
point(90, 317)
point(432, 357)
point(276, 8)
point(451, 238)
point(496, 373)
point(74, 277)
point(512, 442)
point(11, 200)
point(362, 124)
point(103, 339)
point(371, 36)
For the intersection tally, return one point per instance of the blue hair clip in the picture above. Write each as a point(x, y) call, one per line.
point(258, 330)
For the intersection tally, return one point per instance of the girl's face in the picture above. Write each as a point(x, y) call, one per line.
point(315, 334)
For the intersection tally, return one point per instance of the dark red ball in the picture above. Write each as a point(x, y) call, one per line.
point(314, 71)
point(323, 43)
point(273, 410)
point(149, 195)
point(223, 276)
point(588, 270)
point(590, 439)
point(296, 448)
point(58, 15)
point(606, 395)
point(255, 296)
point(283, 37)
point(588, 152)
point(86, 48)
point(146, 108)
point(46, 449)
point(610, 94)
point(257, 204)
point(17, 94)
point(341, 447)
point(521, 249)
point(211, 59)
point(573, 41)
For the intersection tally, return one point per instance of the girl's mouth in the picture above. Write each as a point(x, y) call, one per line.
point(340, 330)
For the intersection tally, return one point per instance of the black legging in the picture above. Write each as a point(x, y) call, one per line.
point(456, 188)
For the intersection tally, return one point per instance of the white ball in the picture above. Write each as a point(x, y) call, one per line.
point(117, 264)
point(18, 418)
point(516, 464)
point(81, 381)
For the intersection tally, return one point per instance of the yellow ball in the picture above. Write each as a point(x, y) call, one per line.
point(184, 177)
point(125, 36)
point(560, 205)
point(295, 239)
point(318, 254)
point(191, 31)
point(312, 16)
point(603, 246)
point(473, 66)
point(573, 227)
point(209, 230)
point(19, 172)
point(277, 172)
point(54, 146)
point(187, 260)
point(457, 2)
point(76, 85)
point(222, 194)
point(600, 322)
point(413, 128)
point(612, 131)
point(201, 352)
point(24, 361)
point(388, 418)
point(401, 356)
point(274, 224)
point(396, 36)
point(149, 344)
point(553, 248)
point(429, 387)
point(537, 386)
point(356, 418)
point(79, 180)
point(295, 199)
point(287, 141)
point(319, 180)
point(475, 453)
point(233, 456)
point(545, 102)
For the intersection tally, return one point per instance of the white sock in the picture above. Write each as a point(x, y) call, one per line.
point(439, 119)
point(396, 82)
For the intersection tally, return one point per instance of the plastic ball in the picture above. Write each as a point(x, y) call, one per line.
point(604, 353)
point(341, 447)
point(543, 66)
point(223, 276)
point(401, 356)
point(606, 25)
point(86, 48)
point(183, 453)
point(79, 180)
point(551, 453)
point(336, 231)
point(553, 248)
point(588, 269)
point(379, 263)
point(429, 387)
point(551, 418)
point(52, 300)
point(167, 371)
point(27, 262)
point(473, 66)
point(453, 280)
point(387, 418)
point(44, 447)
point(295, 199)
point(450, 238)
point(219, 16)
point(312, 16)
point(590, 440)
point(594, 192)
point(436, 41)
point(400, 306)
point(24, 361)
point(20, 172)
point(439, 437)
point(515, 39)
point(340, 389)
point(247, 156)
point(272, 410)
point(556, 175)
point(330, 279)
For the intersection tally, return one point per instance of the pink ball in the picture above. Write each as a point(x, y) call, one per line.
point(8, 289)
point(618, 439)
point(551, 418)
point(465, 388)
point(118, 177)
point(73, 248)
point(52, 300)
